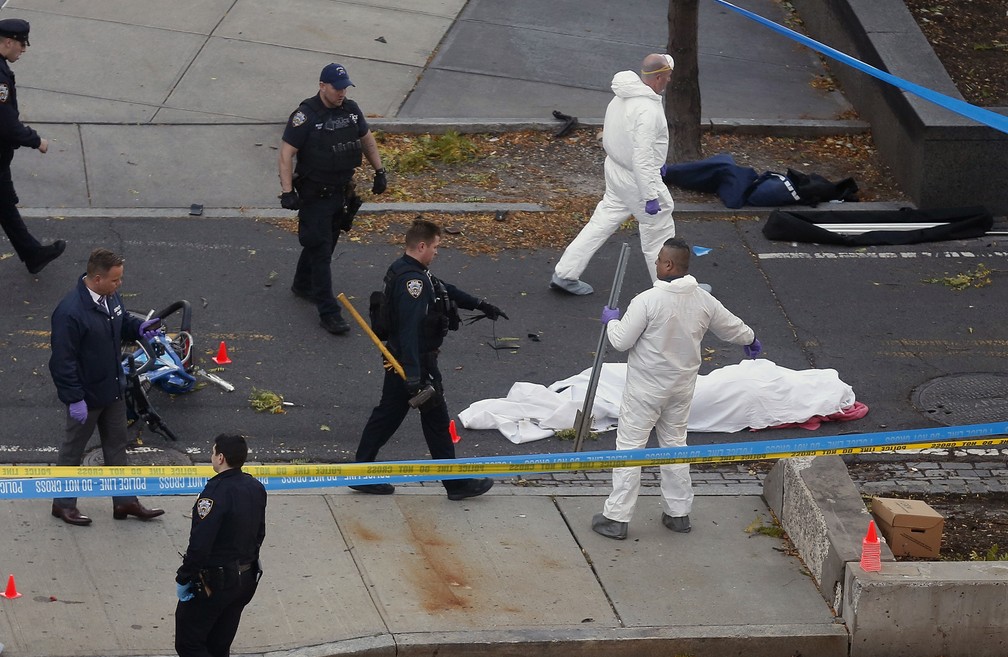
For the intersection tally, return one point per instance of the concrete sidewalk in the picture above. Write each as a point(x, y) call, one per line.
point(164, 104)
point(517, 570)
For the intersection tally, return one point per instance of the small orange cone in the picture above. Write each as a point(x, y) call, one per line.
point(451, 431)
point(871, 550)
point(11, 591)
point(222, 358)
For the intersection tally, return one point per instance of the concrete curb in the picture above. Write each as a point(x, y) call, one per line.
point(682, 210)
point(902, 609)
point(776, 128)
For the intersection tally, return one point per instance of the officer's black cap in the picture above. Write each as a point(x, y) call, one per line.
point(15, 28)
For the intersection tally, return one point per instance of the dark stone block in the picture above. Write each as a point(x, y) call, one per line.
point(939, 158)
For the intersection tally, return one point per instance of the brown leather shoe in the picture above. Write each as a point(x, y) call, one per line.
point(71, 516)
point(120, 511)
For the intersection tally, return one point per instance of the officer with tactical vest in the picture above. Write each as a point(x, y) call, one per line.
point(329, 135)
point(421, 311)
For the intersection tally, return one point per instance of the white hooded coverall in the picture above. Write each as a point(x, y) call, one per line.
point(635, 137)
point(662, 329)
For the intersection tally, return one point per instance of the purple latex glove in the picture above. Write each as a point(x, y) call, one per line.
point(609, 314)
point(150, 328)
point(652, 206)
point(753, 350)
point(78, 411)
point(663, 170)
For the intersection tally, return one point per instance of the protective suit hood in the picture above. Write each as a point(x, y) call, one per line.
point(684, 283)
point(635, 139)
point(627, 84)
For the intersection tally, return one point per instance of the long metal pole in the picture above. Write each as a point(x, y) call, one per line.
point(583, 422)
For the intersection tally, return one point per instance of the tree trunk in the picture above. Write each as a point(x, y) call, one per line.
point(682, 97)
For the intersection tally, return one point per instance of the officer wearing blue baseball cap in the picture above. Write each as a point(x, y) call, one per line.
point(329, 137)
point(337, 76)
point(13, 135)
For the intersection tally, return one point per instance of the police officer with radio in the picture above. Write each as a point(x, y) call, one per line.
point(220, 570)
point(328, 135)
point(421, 311)
point(14, 135)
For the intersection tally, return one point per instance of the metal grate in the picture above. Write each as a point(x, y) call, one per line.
point(96, 458)
point(964, 398)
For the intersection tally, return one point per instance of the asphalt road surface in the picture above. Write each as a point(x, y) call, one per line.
point(868, 313)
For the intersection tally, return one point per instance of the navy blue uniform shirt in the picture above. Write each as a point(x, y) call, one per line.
point(13, 133)
point(228, 524)
point(411, 299)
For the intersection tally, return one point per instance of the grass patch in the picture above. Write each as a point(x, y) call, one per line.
point(413, 154)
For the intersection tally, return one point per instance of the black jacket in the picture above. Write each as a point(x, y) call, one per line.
point(228, 524)
point(415, 314)
point(86, 360)
point(13, 133)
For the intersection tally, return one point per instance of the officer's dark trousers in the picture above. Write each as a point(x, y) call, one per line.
point(24, 244)
point(318, 232)
point(390, 413)
point(205, 627)
point(111, 424)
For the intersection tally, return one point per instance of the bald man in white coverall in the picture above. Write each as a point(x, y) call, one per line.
point(662, 330)
point(636, 139)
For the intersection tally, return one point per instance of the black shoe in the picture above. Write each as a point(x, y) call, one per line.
point(474, 488)
point(45, 255)
point(334, 324)
point(303, 294)
point(374, 489)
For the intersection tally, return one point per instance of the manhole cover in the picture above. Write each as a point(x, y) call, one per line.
point(964, 398)
point(142, 456)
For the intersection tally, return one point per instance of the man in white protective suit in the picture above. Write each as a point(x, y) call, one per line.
point(636, 139)
point(662, 330)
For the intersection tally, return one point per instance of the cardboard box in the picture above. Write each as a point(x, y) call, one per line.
point(911, 527)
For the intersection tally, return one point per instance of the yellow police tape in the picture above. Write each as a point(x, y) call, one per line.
point(471, 467)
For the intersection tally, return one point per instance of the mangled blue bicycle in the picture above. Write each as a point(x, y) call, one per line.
point(166, 362)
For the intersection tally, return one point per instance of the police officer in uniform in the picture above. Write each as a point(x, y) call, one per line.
point(220, 569)
point(328, 135)
point(14, 135)
point(422, 309)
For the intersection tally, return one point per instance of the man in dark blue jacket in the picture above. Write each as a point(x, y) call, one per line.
point(88, 327)
point(13, 135)
point(422, 309)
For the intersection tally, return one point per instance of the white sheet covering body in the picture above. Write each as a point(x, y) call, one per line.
point(754, 394)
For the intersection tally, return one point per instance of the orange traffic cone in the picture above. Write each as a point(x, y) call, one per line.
point(451, 431)
point(222, 358)
point(871, 550)
point(11, 591)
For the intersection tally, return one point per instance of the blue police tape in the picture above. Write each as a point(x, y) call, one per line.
point(978, 114)
point(48, 487)
point(507, 466)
